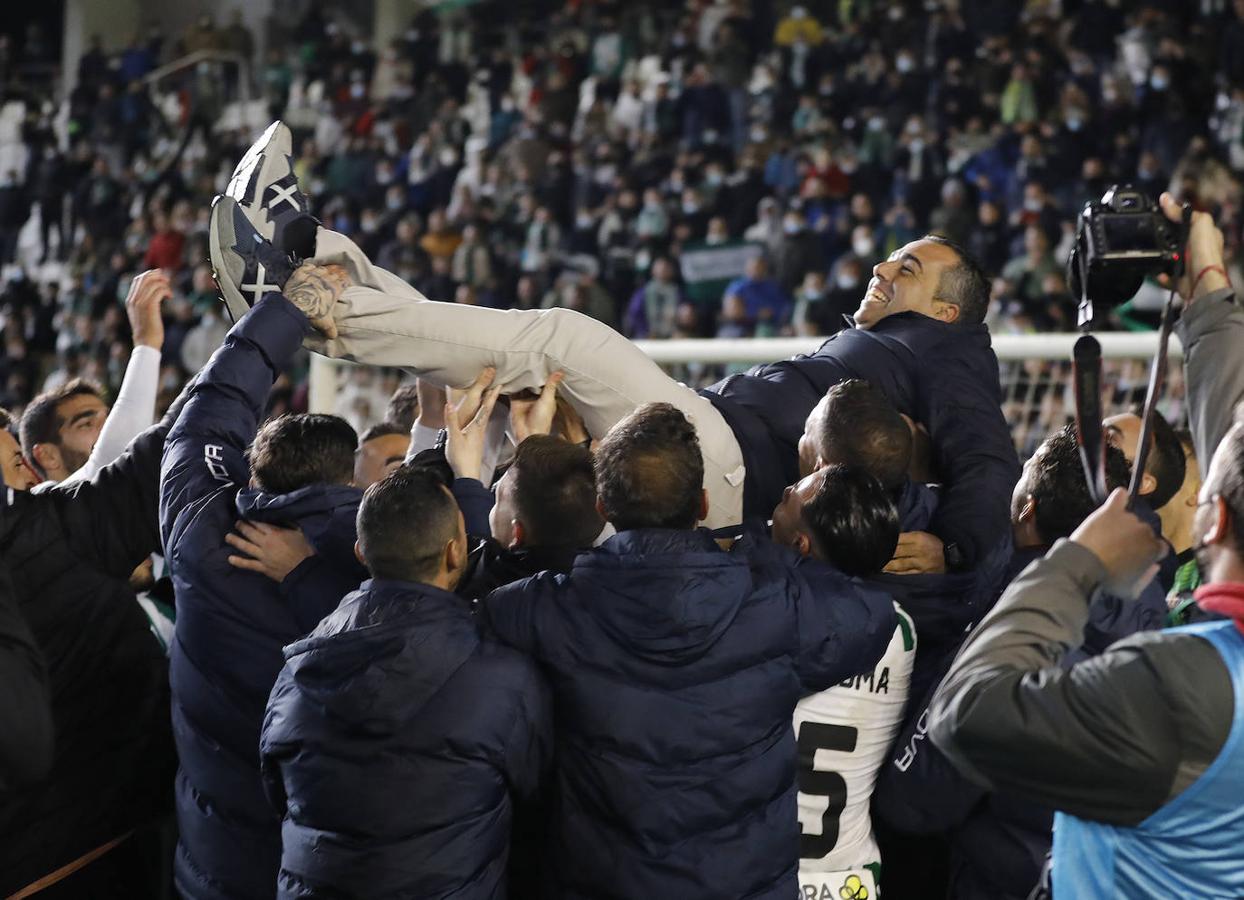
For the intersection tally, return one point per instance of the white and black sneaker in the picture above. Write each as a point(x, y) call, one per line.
point(266, 189)
point(246, 264)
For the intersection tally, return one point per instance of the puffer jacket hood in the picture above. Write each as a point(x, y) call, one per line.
point(369, 661)
point(395, 742)
point(658, 609)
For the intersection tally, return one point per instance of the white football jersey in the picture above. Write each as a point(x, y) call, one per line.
point(844, 735)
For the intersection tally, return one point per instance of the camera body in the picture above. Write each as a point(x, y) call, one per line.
point(1121, 239)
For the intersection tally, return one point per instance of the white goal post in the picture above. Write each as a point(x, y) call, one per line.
point(1138, 346)
point(1035, 374)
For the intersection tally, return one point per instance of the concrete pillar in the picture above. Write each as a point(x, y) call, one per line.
point(115, 22)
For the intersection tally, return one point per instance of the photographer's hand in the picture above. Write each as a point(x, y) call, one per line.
point(1204, 268)
point(1127, 547)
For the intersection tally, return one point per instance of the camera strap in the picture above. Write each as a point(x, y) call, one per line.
point(1157, 372)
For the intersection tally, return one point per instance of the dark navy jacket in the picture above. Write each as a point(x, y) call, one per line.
point(232, 624)
point(676, 667)
point(999, 842)
point(394, 740)
point(942, 606)
point(942, 376)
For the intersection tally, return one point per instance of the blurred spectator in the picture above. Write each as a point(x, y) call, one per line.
point(653, 309)
point(1026, 273)
point(756, 298)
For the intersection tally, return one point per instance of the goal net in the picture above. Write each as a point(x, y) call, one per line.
point(1035, 374)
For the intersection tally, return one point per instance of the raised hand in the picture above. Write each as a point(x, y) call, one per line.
point(467, 403)
point(1203, 257)
point(142, 307)
point(1128, 548)
point(465, 447)
point(314, 289)
point(534, 415)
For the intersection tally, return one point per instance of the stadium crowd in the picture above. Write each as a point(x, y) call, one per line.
point(557, 624)
point(625, 161)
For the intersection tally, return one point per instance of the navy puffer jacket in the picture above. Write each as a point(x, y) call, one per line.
point(676, 667)
point(394, 739)
point(942, 376)
point(232, 624)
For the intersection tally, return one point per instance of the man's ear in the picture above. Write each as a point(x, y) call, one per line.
point(1220, 529)
point(803, 544)
point(703, 505)
point(47, 459)
point(1148, 484)
point(358, 552)
point(945, 311)
point(519, 532)
point(1029, 510)
point(455, 555)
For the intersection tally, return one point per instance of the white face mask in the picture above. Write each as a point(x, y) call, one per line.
point(847, 280)
point(904, 64)
point(862, 247)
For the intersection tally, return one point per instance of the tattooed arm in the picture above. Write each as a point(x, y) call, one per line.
point(313, 290)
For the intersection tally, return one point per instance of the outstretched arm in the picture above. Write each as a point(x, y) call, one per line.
point(973, 451)
point(1110, 738)
point(206, 450)
point(134, 409)
point(1211, 330)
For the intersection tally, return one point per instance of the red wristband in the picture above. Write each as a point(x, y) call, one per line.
point(1201, 274)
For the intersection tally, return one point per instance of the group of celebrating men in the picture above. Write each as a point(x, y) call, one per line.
point(583, 631)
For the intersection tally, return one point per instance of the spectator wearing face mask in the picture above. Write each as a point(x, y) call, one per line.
point(799, 252)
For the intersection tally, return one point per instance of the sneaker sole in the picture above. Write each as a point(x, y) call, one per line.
point(226, 265)
point(265, 162)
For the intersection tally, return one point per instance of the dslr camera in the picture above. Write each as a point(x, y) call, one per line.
point(1121, 239)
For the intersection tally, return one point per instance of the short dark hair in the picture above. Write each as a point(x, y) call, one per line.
point(1059, 488)
point(649, 471)
point(403, 406)
point(300, 449)
point(555, 493)
point(41, 422)
point(382, 429)
point(852, 521)
point(404, 522)
point(965, 284)
point(861, 428)
point(1167, 462)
